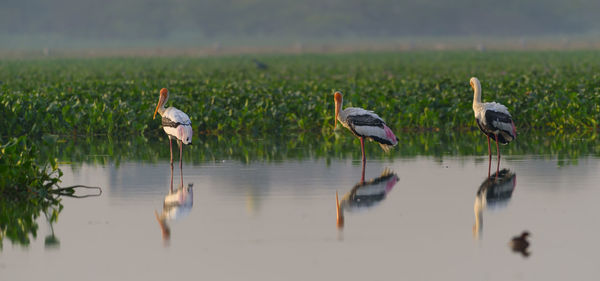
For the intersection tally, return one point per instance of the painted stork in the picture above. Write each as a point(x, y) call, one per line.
point(177, 125)
point(494, 120)
point(365, 194)
point(364, 124)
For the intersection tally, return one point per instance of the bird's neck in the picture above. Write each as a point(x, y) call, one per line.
point(343, 115)
point(161, 110)
point(476, 97)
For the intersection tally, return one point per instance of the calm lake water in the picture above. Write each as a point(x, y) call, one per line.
point(276, 220)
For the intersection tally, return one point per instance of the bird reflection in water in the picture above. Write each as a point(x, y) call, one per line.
point(494, 193)
point(176, 205)
point(365, 194)
point(519, 244)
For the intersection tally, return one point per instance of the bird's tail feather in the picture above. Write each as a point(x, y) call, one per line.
point(185, 134)
point(390, 135)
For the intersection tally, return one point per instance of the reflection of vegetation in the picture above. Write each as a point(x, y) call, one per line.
point(28, 187)
point(416, 90)
point(26, 190)
point(342, 144)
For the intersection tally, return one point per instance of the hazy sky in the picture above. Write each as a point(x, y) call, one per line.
point(156, 20)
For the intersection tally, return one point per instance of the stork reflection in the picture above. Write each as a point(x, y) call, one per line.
point(493, 193)
point(365, 194)
point(176, 205)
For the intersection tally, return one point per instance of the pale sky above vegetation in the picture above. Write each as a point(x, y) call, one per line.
point(156, 20)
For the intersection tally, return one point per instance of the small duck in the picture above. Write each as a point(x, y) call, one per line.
point(520, 244)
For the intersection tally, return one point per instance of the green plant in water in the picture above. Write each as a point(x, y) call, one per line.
point(25, 190)
point(28, 187)
point(412, 91)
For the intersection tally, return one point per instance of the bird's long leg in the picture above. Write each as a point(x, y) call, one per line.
point(362, 149)
point(362, 177)
point(171, 150)
point(180, 163)
point(364, 159)
point(498, 155)
point(490, 156)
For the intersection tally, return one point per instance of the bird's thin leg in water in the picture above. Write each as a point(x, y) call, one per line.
point(364, 159)
point(171, 150)
point(362, 177)
point(489, 166)
point(490, 156)
point(180, 163)
point(497, 153)
point(362, 149)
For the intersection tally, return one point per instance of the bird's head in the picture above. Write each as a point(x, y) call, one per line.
point(338, 106)
point(339, 212)
point(164, 96)
point(524, 235)
point(474, 83)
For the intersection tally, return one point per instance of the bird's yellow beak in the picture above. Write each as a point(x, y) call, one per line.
point(337, 112)
point(161, 101)
point(156, 110)
point(338, 104)
point(339, 212)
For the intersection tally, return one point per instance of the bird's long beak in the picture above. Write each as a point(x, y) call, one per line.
point(161, 100)
point(340, 213)
point(337, 112)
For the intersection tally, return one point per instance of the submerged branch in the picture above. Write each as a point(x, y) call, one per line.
point(70, 191)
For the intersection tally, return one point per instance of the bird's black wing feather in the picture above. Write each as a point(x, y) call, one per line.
point(496, 116)
point(166, 122)
point(365, 120)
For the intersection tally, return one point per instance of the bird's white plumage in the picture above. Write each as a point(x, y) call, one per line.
point(368, 131)
point(498, 107)
point(374, 131)
point(176, 115)
point(183, 132)
point(356, 111)
point(481, 108)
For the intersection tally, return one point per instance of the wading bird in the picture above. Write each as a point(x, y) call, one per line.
point(494, 120)
point(177, 125)
point(364, 124)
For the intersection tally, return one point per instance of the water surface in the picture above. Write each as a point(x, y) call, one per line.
point(276, 220)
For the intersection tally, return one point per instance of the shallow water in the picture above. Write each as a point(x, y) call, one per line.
point(277, 221)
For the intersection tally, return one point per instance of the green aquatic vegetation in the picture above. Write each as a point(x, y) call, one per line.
point(29, 178)
point(26, 190)
point(412, 91)
point(100, 111)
